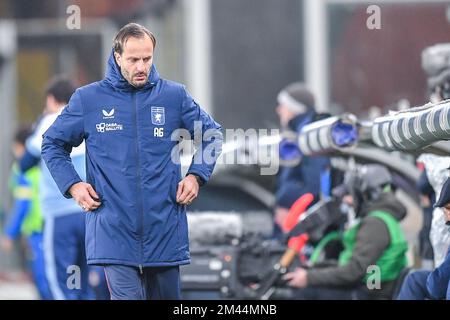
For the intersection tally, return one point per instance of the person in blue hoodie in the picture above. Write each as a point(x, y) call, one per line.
point(134, 196)
point(299, 174)
point(64, 222)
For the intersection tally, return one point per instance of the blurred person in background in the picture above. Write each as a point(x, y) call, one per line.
point(436, 65)
point(135, 197)
point(306, 174)
point(64, 228)
point(26, 216)
point(427, 199)
point(426, 284)
point(374, 238)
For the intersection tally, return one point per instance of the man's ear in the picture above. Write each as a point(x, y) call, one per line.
point(118, 57)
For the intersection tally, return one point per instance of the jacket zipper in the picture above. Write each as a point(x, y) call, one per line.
point(138, 173)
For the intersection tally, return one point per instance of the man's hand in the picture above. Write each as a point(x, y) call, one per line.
point(280, 216)
point(298, 278)
point(85, 196)
point(187, 189)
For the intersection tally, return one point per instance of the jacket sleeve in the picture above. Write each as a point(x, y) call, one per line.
point(64, 134)
point(207, 136)
point(372, 239)
point(439, 280)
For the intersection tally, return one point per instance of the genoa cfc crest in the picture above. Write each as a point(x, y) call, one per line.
point(158, 116)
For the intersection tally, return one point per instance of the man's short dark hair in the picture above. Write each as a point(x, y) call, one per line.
point(22, 134)
point(131, 30)
point(61, 88)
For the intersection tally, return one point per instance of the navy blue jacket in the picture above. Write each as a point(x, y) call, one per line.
point(310, 175)
point(438, 282)
point(129, 164)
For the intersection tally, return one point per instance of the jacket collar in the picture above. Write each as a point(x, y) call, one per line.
point(301, 120)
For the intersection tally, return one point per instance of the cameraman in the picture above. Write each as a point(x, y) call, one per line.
point(375, 238)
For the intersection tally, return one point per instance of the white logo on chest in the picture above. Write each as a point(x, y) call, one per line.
point(108, 115)
point(158, 132)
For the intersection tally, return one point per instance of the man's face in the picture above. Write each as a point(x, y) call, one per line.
point(51, 105)
point(18, 150)
point(285, 114)
point(136, 60)
point(446, 210)
point(348, 199)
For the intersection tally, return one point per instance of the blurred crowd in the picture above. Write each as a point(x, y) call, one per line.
point(371, 234)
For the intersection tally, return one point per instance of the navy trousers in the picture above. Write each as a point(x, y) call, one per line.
point(65, 259)
point(152, 283)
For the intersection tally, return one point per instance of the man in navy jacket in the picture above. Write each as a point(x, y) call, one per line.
point(296, 109)
point(134, 195)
